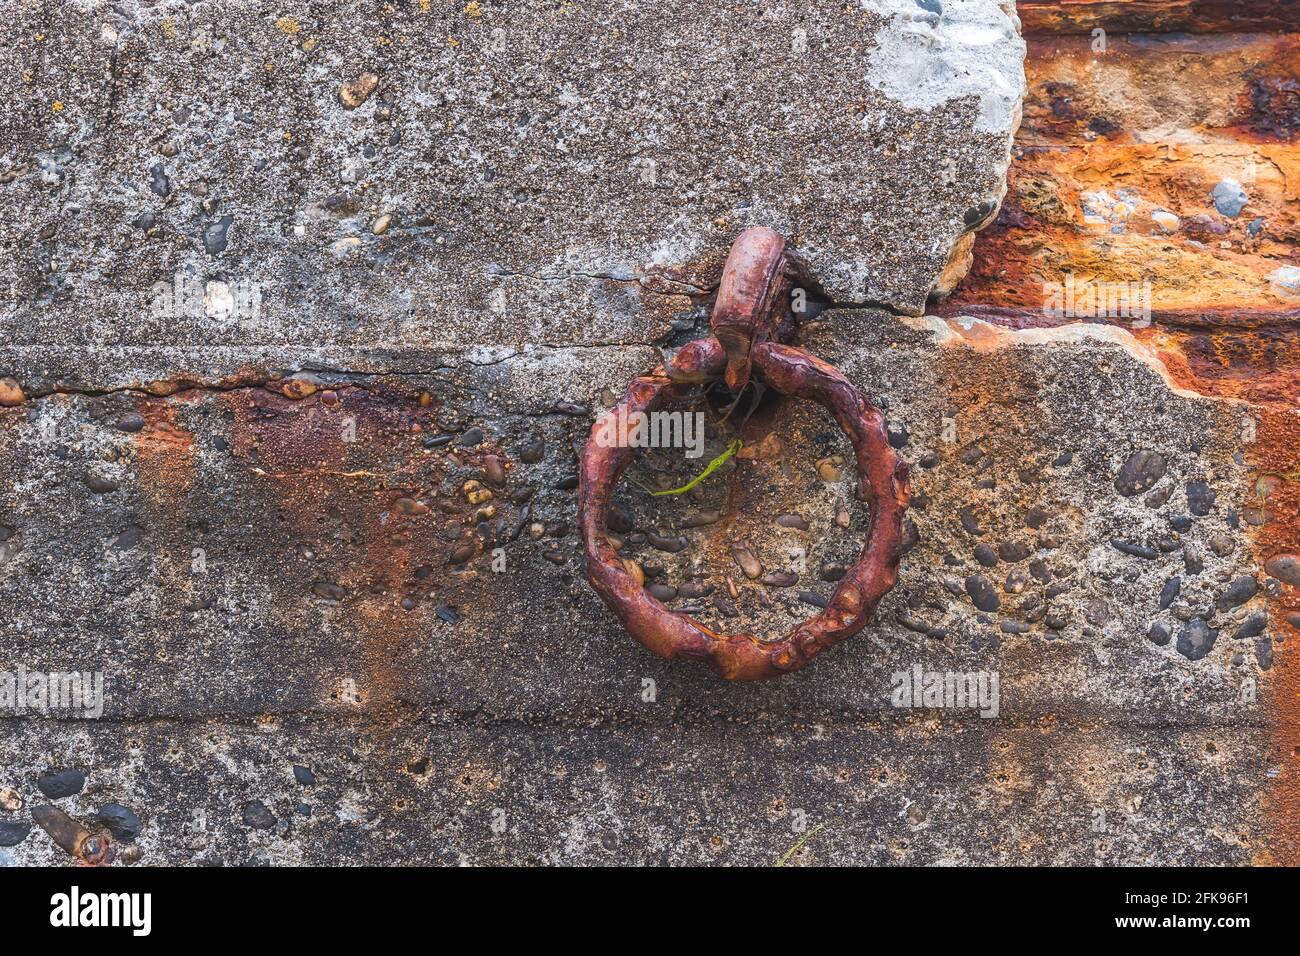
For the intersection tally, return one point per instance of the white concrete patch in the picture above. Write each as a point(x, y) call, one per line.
point(973, 48)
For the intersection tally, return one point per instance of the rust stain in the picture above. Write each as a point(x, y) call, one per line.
point(164, 453)
point(349, 469)
point(1122, 16)
point(1275, 498)
point(1111, 183)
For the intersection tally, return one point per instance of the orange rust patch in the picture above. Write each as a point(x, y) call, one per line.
point(1276, 494)
point(1121, 16)
point(164, 453)
point(1261, 366)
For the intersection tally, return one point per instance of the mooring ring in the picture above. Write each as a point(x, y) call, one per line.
point(882, 484)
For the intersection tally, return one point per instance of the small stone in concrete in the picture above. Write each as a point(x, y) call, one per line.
point(257, 816)
point(1139, 473)
point(1237, 593)
point(982, 593)
point(120, 821)
point(63, 783)
point(1200, 498)
point(1170, 591)
point(1284, 567)
point(1196, 639)
point(1252, 626)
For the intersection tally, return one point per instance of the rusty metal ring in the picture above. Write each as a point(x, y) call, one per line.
point(747, 311)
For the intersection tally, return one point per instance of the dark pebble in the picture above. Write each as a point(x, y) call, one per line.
point(911, 536)
point(1200, 498)
point(437, 441)
point(725, 607)
point(969, 521)
point(462, 553)
point(912, 621)
point(1193, 560)
point(813, 598)
point(831, 571)
point(929, 459)
point(304, 775)
point(662, 542)
point(130, 422)
point(695, 589)
point(215, 235)
point(1195, 639)
point(13, 832)
point(494, 471)
point(567, 484)
point(447, 613)
point(471, 437)
point(100, 486)
point(1284, 567)
point(1238, 592)
point(119, 821)
point(1181, 523)
point(1139, 473)
point(1158, 633)
point(1170, 591)
point(982, 593)
point(700, 519)
point(792, 521)
point(257, 816)
point(329, 590)
point(1252, 626)
point(159, 184)
point(1036, 516)
point(62, 784)
point(1015, 627)
point(986, 556)
point(1063, 459)
point(1136, 550)
point(780, 579)
point(1264, 653)
point(533, 451)
point(898, 436)
point(662, 592)
point(1039, 569)
point(1013, 551)
point(571, 408)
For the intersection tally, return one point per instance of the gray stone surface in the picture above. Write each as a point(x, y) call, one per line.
point(533, 703)
point(254, 522)
point(543, 172)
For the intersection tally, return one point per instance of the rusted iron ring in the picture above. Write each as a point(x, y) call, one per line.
point(748, 312)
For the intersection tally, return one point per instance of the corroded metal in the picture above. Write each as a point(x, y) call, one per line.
point(90, 847)
point(750, 317)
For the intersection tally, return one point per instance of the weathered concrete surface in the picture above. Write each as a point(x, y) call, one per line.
point(1125, 172)
point(258, 527)
point(527, 173)
point(290, 643)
